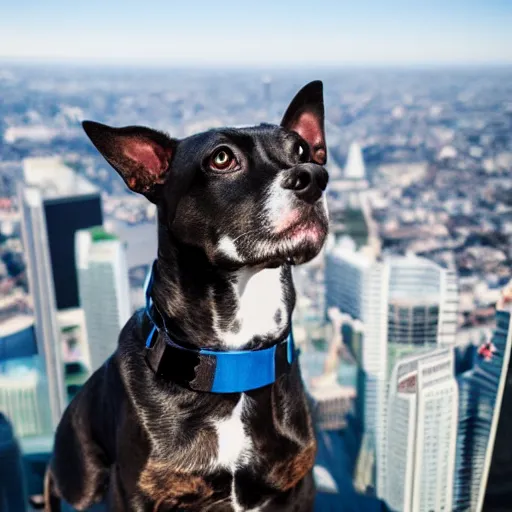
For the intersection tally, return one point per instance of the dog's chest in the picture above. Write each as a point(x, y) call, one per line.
point(234, 445)
point(234, 449)
point(261, 308)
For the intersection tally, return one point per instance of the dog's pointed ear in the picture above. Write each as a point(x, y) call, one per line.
point(140, 155)
point(306, 116)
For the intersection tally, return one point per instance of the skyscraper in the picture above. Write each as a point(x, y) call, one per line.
point(70, 203)
point(481, 390)
point(426, 318)
point(381, 293)
point(104, 290)
point(40, 278)
point(64, 217)
point(421, 432)
point(354, 167)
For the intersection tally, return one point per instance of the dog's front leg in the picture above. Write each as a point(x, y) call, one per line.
point(118, 500)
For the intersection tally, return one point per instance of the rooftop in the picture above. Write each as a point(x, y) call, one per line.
point(16, 324)
point(95, 246)
point(100, 234)
point(54, 178)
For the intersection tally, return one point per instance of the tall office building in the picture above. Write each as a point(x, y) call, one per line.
point(70, 203)
point(422, 433)
point(481, 390)
point(354, 167)
point(104, 290)
point(382, 293)
point(40, 278)
point(425, 318)
point(64, 217)
point(357, 283)
point(55, 202)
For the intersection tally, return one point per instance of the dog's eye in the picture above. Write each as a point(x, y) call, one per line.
point(301, 152)
point(222, 160)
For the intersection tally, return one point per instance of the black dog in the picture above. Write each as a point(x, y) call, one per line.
point(202, 405)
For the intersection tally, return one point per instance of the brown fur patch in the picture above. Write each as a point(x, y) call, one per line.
point(163, 485)
point(287, 474)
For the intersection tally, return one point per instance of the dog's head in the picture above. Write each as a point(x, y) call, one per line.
point(245, 196)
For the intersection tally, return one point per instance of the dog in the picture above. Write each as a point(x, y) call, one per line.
point(202, 406)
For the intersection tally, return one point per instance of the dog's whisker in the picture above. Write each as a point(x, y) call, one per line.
point(251, 231)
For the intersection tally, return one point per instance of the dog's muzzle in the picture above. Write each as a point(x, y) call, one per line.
point(308, 181)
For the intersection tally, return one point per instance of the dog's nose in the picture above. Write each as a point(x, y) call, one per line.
point(308, 181)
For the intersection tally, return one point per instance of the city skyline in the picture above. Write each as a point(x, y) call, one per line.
point(437, 157)
point(264, 33)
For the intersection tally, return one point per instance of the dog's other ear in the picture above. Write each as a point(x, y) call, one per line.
point(140, 155)
point(305, 116)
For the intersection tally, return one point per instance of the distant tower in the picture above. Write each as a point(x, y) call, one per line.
point(104, 290)
point(40, 278)
point(354, 167)
point(267, 90)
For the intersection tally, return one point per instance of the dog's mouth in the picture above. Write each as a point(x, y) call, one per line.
point(304, 230)
point(297, 239)
point(300, 241)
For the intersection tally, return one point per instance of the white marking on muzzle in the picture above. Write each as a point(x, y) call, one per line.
point(227, 247)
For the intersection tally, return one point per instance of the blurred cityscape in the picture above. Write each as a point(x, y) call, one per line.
point(402, 347)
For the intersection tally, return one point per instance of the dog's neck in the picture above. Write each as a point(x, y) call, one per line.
point(210, 307)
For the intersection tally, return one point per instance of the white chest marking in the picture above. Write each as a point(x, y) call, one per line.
point(234, 444)
point(260, 296)
point(235, 447)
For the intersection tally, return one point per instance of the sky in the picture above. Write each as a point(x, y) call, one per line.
point(258, 32)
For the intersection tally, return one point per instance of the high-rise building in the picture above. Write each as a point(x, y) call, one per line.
point(426, 318)
point(480, 396)
point(381, 293)
point(357, 284)
point(421, 433)
point(40, 278)
point(64, 217)
point(104, 290)
point(70, 203)
point(55, 201)
point(354, 167)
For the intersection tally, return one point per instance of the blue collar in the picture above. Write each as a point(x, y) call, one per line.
point(234, 371)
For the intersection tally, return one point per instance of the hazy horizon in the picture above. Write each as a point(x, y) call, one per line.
point(259, 34)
